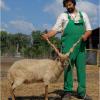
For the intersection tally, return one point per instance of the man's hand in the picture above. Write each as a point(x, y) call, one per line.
point(86, 35)
point(49, 34)
point(84, 38)
point(45, 36)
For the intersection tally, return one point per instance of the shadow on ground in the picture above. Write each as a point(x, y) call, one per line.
point(58, 95)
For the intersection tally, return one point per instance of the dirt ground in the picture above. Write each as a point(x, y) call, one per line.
point(36, 91)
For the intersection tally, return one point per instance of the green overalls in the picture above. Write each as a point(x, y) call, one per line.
point(72, 33)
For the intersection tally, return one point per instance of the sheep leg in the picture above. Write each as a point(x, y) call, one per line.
point(46, 92)
point(13, 86)
point(12, 94)
point(11, 91)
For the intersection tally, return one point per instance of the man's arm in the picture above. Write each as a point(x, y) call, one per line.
point(86, 35)
point(88, 27)
point(49, 34)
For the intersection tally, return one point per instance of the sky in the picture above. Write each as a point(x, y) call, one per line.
point(27, 15)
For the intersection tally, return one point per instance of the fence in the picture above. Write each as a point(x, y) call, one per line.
point(93, 57)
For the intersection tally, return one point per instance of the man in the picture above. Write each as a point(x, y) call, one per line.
point(74, 24)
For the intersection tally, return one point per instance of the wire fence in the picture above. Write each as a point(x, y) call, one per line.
point(92, 57)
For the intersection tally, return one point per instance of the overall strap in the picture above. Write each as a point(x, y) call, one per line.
point(68, 16)
point(81, 14)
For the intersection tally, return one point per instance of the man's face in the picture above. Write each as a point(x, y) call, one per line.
point(70, 6)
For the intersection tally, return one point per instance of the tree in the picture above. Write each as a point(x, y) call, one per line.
point(4, 41)
point(28, 46)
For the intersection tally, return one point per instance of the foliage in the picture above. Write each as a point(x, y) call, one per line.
point(31, 46)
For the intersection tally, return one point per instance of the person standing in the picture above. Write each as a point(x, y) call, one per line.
point(74, 24)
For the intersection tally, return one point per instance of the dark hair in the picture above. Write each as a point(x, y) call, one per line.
point(64, 1)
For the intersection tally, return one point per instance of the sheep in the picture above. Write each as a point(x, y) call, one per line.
point(34, 70)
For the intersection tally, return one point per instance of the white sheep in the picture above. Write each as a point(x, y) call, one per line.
point(34, 70)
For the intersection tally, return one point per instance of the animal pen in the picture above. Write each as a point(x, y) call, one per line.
point(35, 91)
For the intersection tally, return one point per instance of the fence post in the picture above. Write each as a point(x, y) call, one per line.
point(98, 58)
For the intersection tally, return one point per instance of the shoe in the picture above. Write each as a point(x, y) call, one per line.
point(67, 96)
point(86, 97)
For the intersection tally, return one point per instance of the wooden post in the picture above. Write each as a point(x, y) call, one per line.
point(98, 58)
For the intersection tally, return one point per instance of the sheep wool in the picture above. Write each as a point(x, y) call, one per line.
point(34, 70)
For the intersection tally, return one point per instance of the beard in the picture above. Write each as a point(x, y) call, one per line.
point(70, 10)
